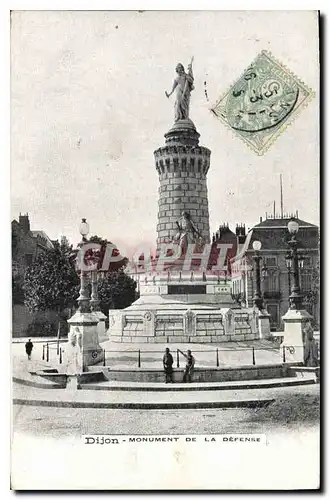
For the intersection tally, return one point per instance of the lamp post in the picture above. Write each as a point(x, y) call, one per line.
point(296, 318)
point(264, 275)
point(83, 299)
point(258, 301)
point(263, 318)
point(288, 262)
point(95, 301)
point(295, 297)
point(84, 323)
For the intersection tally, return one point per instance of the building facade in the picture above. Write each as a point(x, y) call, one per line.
point(273, 234)
point(26, 246)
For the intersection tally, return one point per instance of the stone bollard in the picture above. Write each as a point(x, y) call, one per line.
point(72, 383)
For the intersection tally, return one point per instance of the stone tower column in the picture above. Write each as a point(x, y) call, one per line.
point(182, 166)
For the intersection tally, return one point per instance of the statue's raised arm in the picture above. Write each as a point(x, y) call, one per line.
point(183, 85)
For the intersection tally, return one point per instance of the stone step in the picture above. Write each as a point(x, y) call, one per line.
point(121, 399)
point(201, 386)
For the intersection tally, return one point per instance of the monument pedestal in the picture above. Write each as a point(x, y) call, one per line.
point(183, 308)
point(84, 326)
point(294, 337)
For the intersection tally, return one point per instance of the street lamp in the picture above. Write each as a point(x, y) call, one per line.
point(300, 261)
point(295, 297)
point(95, 301)
point(257, 258)
point(288, 262)
point(264, 271)
point(83, 299)
point(84, 229)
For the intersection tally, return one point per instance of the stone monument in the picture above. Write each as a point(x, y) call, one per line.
point(177, 304)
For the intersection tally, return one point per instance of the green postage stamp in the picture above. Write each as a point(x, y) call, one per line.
point(262, 102)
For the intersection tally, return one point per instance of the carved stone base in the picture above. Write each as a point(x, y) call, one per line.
point(293, 342)
point(84, 327)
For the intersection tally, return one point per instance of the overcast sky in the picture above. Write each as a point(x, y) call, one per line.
point(88, 109)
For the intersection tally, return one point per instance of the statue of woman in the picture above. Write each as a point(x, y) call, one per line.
point(183, 85)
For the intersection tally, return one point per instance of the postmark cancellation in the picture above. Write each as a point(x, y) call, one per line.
point(263, 102)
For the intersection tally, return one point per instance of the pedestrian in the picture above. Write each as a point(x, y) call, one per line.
point(168, 366)
point(190, 363)
point(28, 348)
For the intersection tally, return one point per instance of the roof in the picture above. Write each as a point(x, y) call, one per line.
point(274, 235)
point(43, 235)
point(281, 223)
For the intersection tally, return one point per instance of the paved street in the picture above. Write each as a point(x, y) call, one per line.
point(294, 409)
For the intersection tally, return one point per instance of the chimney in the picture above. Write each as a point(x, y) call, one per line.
point(260, 219)
point(24, 222)
point(240, 233)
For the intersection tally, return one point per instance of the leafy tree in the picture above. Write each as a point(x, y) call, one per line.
point(52, 281)
point(99, 255)
point(117, 290)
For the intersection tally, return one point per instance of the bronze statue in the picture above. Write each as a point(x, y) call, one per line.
point(183, 84)
point(188, 232)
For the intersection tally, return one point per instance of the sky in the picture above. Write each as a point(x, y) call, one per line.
point(88, 108)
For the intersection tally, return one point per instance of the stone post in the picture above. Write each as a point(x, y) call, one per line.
point(264, 324)
point(294, 324)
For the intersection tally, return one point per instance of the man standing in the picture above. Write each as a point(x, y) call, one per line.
point(189, 369)
point(28, 348)
point(168, 365)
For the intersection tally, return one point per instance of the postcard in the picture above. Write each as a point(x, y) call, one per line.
point(165, 250)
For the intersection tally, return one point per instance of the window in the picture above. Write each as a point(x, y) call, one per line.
point(271, 283)
point(270, 261)
point(306, 282)
point(307, 261)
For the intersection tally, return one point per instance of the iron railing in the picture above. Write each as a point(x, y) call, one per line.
point(135, 357)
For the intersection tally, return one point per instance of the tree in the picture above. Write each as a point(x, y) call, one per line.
point(117, 290)
point(99, 255)
point(52, 281)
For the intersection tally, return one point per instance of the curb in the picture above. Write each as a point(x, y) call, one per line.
point(254, 403)
point(172, 388)
point(37, 385)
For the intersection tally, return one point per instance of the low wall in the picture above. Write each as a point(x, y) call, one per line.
point(200, 374)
